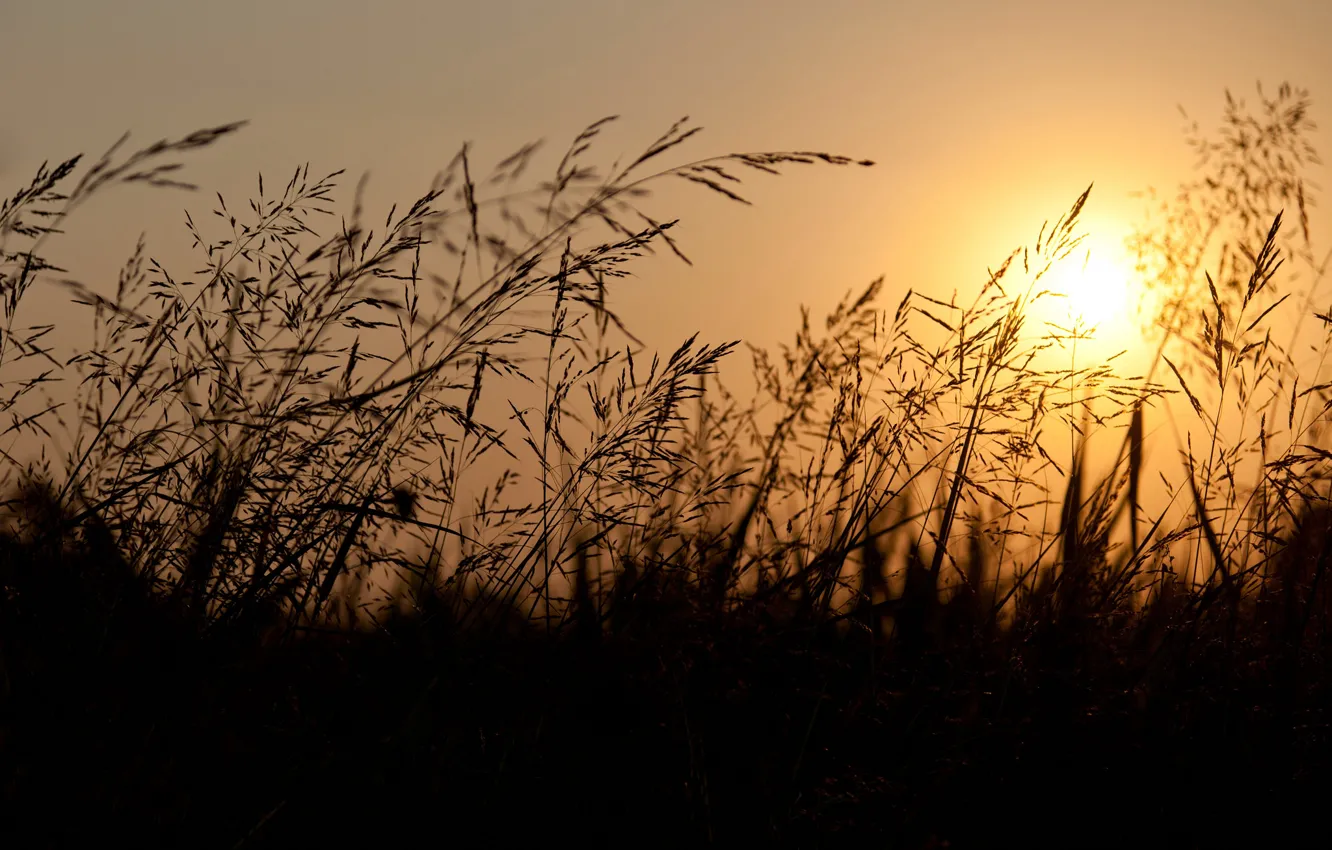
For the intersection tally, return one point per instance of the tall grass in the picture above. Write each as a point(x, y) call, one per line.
point(258, 593)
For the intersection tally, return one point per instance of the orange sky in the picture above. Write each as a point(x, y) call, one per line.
point(986, 118)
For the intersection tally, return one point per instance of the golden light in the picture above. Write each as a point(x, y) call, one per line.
point(1096, 293)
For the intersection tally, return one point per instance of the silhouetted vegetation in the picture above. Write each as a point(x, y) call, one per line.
point(395, 531)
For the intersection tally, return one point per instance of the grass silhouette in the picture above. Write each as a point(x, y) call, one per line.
point(257, 597)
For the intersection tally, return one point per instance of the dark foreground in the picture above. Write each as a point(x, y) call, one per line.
point(672, 724)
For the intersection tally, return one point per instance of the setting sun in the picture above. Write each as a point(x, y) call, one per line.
point(1097, 292)
point(1093, 291)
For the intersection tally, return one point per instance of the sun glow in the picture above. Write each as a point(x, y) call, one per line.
point(1096, 293)
point(1093, 292)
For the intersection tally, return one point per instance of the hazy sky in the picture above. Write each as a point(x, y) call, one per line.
point(986, 117)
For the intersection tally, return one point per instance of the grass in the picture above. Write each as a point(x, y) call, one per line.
point(353, 537)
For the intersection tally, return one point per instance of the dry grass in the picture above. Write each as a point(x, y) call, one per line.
point(257, 595)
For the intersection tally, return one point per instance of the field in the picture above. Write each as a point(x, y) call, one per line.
point(377, 527)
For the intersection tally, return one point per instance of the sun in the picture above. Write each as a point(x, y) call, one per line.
point(1096, 296)
point(1097, 292)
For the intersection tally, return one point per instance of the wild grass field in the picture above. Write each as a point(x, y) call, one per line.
point(382, 527)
